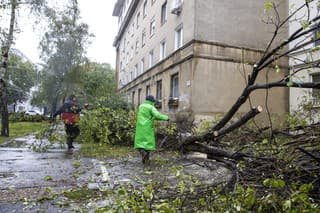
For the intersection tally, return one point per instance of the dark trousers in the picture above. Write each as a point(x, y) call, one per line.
point(145, 154)
point(72, 132)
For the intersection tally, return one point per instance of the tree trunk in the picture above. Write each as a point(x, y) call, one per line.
point(4, 110)
point(4, 73)
point(214, 152)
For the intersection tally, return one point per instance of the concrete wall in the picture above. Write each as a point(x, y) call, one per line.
point(219, 77)
point(235, 22)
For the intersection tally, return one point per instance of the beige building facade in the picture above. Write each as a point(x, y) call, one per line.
point(193, 55)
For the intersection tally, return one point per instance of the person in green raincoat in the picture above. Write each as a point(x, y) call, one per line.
point(144, 139)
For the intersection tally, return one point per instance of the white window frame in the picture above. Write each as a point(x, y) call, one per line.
point(164, 13)
point(144, 11)
point(143, 38)
point(152, 27)
point(148, 90)
point(178, 37)
point(159, 90)
point(137, 46)
point(174, 86)
point(163, 50)
point(138, 17)
point(151, 58)
point(131, 76)
point(142, 66)
point(136, 71)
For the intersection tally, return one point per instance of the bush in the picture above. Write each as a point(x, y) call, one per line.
point(110, 126)
point(22, 117)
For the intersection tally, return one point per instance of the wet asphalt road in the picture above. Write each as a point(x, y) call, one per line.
point(25, 174)
point(21, 167)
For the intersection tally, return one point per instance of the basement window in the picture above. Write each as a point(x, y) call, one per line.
point(316, 92)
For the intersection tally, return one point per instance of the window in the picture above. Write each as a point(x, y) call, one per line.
point(138, 19)
point(131, 53)
point(163, 47)
point(177, 2)
point(178, 38)
point(175, 86)
point(151, 58)
point(132, 29)
point(152, 27)
point(159, 90)
point(137, 46)
point(148, 90)
point(131, 76)
point(143, 40)
point(139, 97)
point(142, 66)
point(127, 58)
point(144, 11)
point(164, 12)
point(135, 70)
point(132, 97)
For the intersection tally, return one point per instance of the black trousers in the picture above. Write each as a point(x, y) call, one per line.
point(72, 132)
point(145, 154)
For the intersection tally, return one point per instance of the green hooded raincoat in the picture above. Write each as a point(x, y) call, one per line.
point(144, 137)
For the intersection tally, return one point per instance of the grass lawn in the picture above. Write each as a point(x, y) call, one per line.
point(102, 151)
point(19, 129)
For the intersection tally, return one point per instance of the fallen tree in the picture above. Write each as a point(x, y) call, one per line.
point(285, 157)
point(299, 40)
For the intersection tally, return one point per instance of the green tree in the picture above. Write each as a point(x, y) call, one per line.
point(22, 77)
point(63, 50)
point(9, 10)
point(99, 86)
point(99, 80)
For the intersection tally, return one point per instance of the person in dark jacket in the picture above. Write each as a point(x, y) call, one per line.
point(70, 115)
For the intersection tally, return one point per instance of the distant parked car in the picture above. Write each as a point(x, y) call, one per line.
point(32, 112)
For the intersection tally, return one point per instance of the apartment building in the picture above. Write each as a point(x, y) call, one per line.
point(304, 58)
point(193, 55)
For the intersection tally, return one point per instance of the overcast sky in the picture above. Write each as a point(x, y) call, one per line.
point(98, 15)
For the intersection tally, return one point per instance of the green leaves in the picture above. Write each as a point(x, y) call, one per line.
point(305, 24)
point(268, 6)
point(76, 164)
point(105, 125)
point(48, 178)
point(274, 183)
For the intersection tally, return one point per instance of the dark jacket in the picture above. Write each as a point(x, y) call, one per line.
point(70, 112)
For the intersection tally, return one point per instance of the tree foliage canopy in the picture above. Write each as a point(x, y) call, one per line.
point(23, 76)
